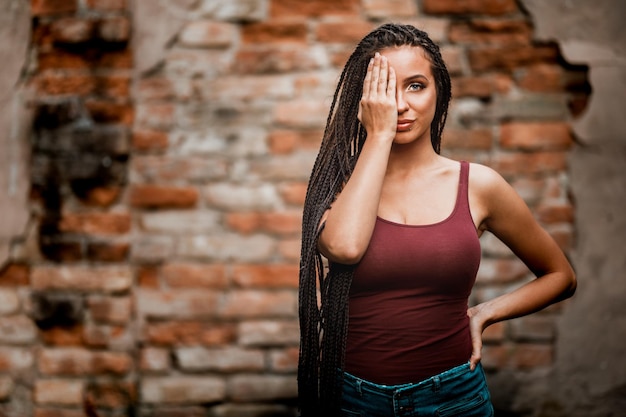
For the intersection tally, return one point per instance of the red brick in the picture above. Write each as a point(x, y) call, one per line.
point(480, 87)
point(110, 111)
point(58, 412)
point(102, 196)
point(269, 58)
point(350, 32)
point(119, 59)
point(111, 395)
point(485, 7)
point(535, 327)
point(293, 193)
point(49, 7)
point(14, 360)
point(59, 391)
point(116, 310)
point(501, 271)
point(73, 30)
point(148, 277)
point(83, 85)
point(563, 235)
point(114, 29)
point(529, 356)
point(194, 276)
point(95, 223)
point(106, 336)
point(57, 84)
point(495, 333)
point(518, 163)
point(283, 141)
point(189, 333)
point(59, 58)
point(76, 362)
point(107, 5)
point(494, 357)
point(256, 303)
point(178, 304)
point(511, 57)
point(266, 276)
point(17, 330)
point(555, 213)
point(154, 360)
point(147, 140)
point(207, 34)
point(477, 138)
point(314, 8)
point(536, 135)
point(163, 196)
point(14, 274)
point(304, 114)
point(180, 389)
point(284, 360)
point(63, 336)
point(289, 249)
point(280, 31)
point(386, 8)
point(108, 251)
point(155, 88)
point(285, 223)
point(491, 32)
point(543, 78)
point(82, 278)
point(155, 116)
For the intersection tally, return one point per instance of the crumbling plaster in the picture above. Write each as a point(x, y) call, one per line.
point(589, 377)
point(14, 123)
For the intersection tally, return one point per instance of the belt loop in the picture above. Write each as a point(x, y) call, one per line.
point(436, 383)
point(358, 386)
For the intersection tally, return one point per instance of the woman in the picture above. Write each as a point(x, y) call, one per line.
point(391, 333)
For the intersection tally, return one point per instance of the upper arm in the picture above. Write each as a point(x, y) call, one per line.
point(506, 215)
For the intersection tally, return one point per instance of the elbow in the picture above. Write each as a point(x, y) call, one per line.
point(570, 286)
point(573, 284)
point(343, 254)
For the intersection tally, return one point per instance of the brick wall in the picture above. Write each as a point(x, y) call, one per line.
point(160, 278)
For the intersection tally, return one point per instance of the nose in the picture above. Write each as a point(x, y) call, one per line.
point(401, 102)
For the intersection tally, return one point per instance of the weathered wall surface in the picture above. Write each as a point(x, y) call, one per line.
point(590, 370)
point(14, 123)
point(171, 142)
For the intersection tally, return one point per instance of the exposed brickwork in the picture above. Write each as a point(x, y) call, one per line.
point(161, 278)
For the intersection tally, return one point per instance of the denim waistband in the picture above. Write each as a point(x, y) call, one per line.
point(436, 380)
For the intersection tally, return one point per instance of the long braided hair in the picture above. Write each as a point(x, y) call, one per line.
point(323, 297)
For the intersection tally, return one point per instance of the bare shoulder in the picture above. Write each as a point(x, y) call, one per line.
point(485, 180)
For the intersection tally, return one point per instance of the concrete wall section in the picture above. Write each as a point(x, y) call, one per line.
point(14, 124)
point(590, 370)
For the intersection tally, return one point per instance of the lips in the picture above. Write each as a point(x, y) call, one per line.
point(404, 125)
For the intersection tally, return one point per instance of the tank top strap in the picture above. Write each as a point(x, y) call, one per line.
point(463, 197)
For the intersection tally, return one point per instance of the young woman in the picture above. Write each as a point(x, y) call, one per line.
point(388, 331)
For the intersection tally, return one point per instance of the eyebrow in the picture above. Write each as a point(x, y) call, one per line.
point(416, 77)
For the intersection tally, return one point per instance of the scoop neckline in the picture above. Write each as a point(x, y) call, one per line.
point(454, 210)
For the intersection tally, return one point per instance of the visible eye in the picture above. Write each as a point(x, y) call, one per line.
point(415, 86)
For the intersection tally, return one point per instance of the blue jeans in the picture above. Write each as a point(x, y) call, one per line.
point(456, 392)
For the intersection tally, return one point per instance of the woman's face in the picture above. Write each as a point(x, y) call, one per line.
point(416, 92)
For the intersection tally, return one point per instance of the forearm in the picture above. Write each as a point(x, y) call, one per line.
point(350, 221)
point(531, 297)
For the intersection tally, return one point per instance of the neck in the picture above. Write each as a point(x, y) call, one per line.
point(418, 155)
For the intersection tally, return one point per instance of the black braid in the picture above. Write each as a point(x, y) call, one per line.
point(324, 321)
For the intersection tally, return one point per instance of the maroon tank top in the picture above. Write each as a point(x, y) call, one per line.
point(409, 297)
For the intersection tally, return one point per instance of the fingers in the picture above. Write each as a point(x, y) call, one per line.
point(391, 83)
point(381, 86)
point(376, 82)
point(368, 78)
